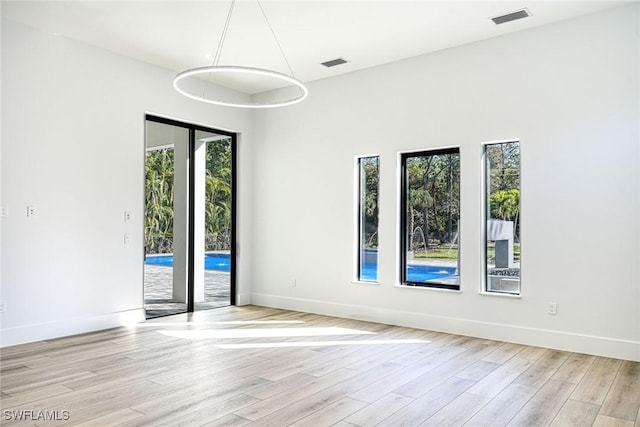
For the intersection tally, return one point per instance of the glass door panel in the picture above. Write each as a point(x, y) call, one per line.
point(165, 266)
point(213, 220)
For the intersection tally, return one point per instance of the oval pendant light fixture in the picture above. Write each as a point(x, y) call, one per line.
point(208, 94)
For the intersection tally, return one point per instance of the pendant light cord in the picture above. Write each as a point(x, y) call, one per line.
point(275, 38)
point(215, 68)
point(216, 58)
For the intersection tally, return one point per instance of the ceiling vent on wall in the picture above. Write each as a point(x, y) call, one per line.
point(334, 62)
point(518, 14)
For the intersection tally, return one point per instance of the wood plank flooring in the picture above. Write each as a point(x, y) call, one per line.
point(254, 366)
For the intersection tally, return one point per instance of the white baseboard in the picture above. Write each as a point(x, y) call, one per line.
point(243, 299)
point(66, 327)
point(600, 346)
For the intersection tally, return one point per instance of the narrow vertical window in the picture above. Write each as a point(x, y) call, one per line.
point(430, 214)
point(369, 176)
point(502, 215)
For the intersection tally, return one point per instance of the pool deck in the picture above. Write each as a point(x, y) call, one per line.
point(158, 282)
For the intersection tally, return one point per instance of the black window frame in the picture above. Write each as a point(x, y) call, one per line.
point(486, 214)
point(359, 248)
point(403, 218)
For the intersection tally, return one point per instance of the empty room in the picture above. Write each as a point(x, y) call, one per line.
point(320, 213)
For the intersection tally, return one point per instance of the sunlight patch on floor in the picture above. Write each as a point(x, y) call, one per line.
point(157, 323)
point(315, 344)
point(195, 334)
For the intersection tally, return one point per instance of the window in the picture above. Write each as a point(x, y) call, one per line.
point(502, 215)
point(430, 214)
point(368, 178)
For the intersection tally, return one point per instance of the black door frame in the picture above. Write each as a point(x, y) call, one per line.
point(192, 128)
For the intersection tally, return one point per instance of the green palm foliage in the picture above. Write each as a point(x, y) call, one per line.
point(433, 198)
point(159, 190)
point(505, 204)
point(218, 196)
point(159, 201)
point(503, 163)
point(370, 177)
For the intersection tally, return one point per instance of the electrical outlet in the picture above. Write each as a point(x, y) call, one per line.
point(127, 216)
point(552, 308)
point(4, 211)
point(293, 283)
point(1, 307)
point(31, 211)
point(127, 239)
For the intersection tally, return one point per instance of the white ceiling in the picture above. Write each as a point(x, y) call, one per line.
point(184, 34)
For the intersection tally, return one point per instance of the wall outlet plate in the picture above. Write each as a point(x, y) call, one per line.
point(4, 211)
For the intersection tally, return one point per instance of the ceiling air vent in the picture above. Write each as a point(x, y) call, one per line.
point(518, 14)
point(334, 62)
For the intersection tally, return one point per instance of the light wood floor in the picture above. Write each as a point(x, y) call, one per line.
point(263, 367)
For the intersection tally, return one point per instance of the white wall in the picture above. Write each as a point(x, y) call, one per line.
point(569, 92)
point(73, 147)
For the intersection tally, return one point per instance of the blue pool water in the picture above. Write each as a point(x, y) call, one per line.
point(423, 273)
point(418, 273)
point(415, 273)
point(218, 262)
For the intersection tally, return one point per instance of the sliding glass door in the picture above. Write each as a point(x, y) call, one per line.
point(189, 217)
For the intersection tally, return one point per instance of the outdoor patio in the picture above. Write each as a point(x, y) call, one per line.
point(158, 288)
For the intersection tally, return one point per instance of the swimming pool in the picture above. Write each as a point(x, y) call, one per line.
point(424, 273)
point(222, 262)
point(218, 262)
point(415, 272)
